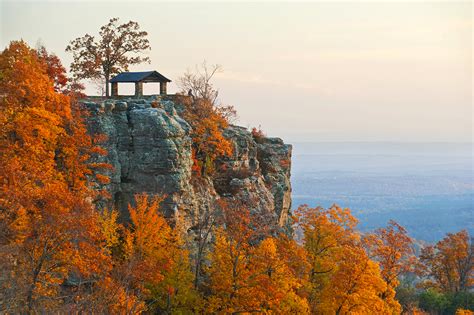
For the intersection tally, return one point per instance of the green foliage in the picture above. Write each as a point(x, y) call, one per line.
point(436, 302)
point(461, 300)
point(407, 293)
point(433, 302)
point(209, 165)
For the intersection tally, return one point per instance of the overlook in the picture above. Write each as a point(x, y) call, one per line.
point(139, 78)
point(174, 204)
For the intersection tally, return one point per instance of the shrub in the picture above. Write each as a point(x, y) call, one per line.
point(257, 134)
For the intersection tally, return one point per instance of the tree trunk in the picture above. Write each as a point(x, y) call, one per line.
point(107, 79)
point(32, 287)
point(198, 265)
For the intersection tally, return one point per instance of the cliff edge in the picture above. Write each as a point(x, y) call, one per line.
point(149, 148)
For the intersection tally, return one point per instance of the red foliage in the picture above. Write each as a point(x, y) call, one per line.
point(285, 163)
point(54, 69)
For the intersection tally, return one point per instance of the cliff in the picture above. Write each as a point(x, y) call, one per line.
point(149, 148)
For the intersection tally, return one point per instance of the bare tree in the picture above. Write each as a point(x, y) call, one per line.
point(100, 86)
point(199, 82)
point(119, 47)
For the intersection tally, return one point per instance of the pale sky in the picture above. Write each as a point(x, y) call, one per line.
point(313, 71)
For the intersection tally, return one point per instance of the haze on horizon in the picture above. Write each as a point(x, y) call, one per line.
point(322, 71)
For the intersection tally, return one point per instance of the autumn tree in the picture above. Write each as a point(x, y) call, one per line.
point(449, 264)
point(207, 117)
point(393, 249)
point(118, 47)
point(342, 279)
point(247, 272)
point(295, 258)
point(57, 73)
point(54, 68)
point(49, 233)
point(230, 273)
point(152, 270)
point(144, 250)
point(176, 293)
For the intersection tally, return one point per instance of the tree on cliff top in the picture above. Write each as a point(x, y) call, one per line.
point(111, 54)
point(198, 83)
point(207, 117)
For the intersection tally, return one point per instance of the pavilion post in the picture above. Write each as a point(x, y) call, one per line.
point(163, 88)
point(114, 89)
point(138, 88)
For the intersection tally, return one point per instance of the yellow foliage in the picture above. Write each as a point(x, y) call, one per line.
point(110, 228)
point(248, 275)
point(343, 279)
point(154, 265)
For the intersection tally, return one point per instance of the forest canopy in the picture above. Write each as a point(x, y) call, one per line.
point(60, 253)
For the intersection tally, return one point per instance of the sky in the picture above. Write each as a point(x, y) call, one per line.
point(310, 71)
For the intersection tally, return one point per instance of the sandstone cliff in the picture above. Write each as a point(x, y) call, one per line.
point(150, 150)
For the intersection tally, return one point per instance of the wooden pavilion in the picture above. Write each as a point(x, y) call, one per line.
point(139, 78)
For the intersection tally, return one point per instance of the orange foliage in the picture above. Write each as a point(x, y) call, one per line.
point(343, 279)
point(285, 163)
point(247, 272)
point(393, 249)
point(58, 253)
point(208, 123)
point(176, 293)
point(151, 263)
point(145, 243)
point(449, 265)
point(49, 227)
point(197, 165)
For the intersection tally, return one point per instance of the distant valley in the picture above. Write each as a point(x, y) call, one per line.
point(426, 187)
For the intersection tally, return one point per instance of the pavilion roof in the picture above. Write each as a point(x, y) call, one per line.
point(146, 76)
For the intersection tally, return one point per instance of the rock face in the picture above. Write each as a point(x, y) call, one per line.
point(149, 148)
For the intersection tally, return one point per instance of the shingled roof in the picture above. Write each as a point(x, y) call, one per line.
point(147, 76)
